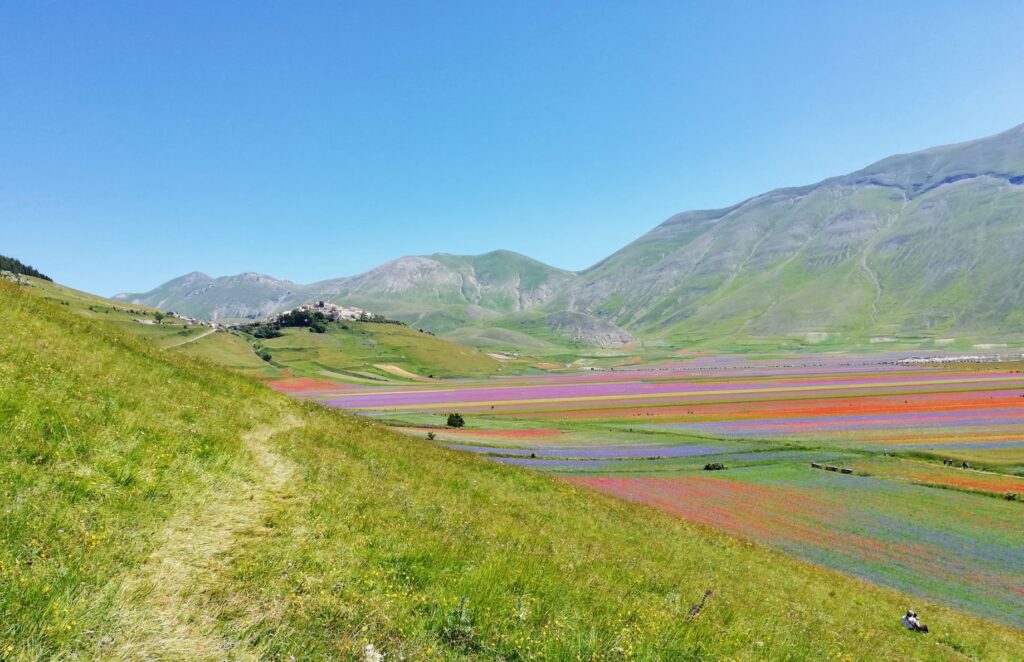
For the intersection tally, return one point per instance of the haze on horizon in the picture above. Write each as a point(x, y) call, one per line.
point(144, 142)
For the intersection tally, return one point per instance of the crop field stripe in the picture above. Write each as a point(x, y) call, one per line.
point(663, 395)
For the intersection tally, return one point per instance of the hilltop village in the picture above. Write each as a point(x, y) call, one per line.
point(330, 311)
point(327, 311)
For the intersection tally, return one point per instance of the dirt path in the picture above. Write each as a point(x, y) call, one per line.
point(192, 339)
point(400, 372)
point(168, 610)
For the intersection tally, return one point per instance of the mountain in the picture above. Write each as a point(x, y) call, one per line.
point(448, 289)
point(916, 246)
point(443, 292)
point(245, 296)
point(929, 242)
point(501, 281)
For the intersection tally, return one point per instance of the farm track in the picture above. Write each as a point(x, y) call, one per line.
point(192, 339)
point(173, 613)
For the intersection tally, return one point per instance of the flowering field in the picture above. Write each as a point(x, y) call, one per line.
point(902, 517)
point(955, 477)
point(962, 549)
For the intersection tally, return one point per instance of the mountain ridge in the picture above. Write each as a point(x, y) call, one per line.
point(919, 243)
point(497, 281)
point(726, 272)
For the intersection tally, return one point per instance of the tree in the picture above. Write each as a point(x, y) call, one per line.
point(303, 318)
point(263, 331)
point(456, 421)
point(159, 317)
point(265, 356)
point(19, 267)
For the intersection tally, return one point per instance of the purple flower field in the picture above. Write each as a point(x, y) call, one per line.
point(598, 452)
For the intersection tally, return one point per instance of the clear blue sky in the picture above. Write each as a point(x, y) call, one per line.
point(307, 140)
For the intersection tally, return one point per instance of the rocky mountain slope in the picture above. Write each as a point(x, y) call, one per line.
point(927, 244)
point(245, 296)
point(445, 287)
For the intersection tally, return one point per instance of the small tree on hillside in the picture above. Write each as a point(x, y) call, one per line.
point(456, 421)
point(159, 317)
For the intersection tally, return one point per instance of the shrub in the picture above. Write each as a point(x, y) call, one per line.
point(456, 420)
point(714, 466)
point(265, 356)
point(263, 331)
point(303, 318)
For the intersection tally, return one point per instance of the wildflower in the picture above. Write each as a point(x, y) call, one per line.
point(371, 654)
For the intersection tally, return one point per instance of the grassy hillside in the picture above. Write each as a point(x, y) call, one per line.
point(156, 508)
point(170, 332)
point(355, 350)
point(106, 438)
point(361, 347)
point(913, 249)
point(231, 350)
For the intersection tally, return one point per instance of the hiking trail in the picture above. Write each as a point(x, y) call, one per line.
point(169, 611)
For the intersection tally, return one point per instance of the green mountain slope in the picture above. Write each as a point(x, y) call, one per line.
point(920, 244)
point(500, 281)
point(154, 508)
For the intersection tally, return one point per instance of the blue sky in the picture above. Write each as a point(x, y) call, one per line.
point(307, 140)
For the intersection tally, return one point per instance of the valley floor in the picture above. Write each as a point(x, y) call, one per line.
point(842, 461)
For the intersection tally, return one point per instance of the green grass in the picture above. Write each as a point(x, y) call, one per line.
point(169, 332)
point(324, 533)
point(105, 437)
point(348, 352)
point(364, 345)
point(231, 350)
